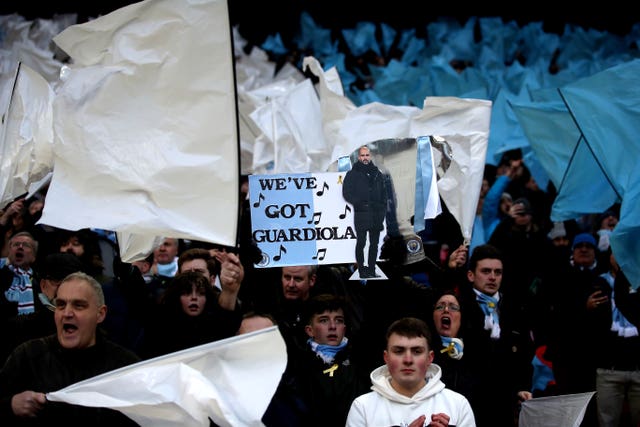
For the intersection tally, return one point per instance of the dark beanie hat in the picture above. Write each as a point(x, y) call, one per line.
point(57, 266)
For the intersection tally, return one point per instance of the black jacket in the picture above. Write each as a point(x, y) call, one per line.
point(42, 365)
point(364, 187)
point(170, 331)
point(329, 388)
point(500, 367)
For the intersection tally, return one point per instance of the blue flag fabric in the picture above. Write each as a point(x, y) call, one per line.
point(581, 184)
point(606, 109)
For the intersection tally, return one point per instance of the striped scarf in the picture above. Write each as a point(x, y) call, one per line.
point(21, 290)
point(489, 306)
point(327, 352)
point(619, 323)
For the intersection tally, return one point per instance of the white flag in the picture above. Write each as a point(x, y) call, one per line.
point(26, 138)
point(564, 410)
point(145, 124)
point(230, 381)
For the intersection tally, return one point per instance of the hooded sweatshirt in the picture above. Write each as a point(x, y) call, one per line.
point(384, 407)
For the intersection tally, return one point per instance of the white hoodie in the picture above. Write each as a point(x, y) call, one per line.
point(385, 407)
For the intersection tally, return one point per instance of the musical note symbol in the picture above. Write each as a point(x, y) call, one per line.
point(282, 249)
point(320, 254)
point(260, 197)
point(346, 209)
point(325, 186)
point(315, 218)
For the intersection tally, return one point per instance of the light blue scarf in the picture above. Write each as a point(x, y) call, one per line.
point(168, 270)
point(21, 290)
point(452, 346)
point(489, 306)
point(619, 323)
point(327, 352)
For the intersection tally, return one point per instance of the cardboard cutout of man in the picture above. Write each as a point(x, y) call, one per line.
point(364, 187)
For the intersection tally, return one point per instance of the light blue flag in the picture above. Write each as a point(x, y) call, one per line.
point(315, 37)
point(424, 178)
point(394, 82)
point(535, 167)
point(388, 36)
point(506, 133)
point(581, 184)
point(362, 38)
point(500, 37)
point(460, 42)
point(606, 109)
point(275, 44)
point(416, 48)
point(448, 82)
point(406, 37)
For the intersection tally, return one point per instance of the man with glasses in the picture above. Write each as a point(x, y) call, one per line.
point(17, 286)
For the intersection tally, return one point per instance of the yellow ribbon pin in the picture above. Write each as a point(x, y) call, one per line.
point(331, 370)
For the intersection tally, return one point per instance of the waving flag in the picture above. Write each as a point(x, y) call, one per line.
point(146, 128)
point(230, 381)
point(606, 109)
point(562, 410)
point(582, 187)
point(462, 123)
point(26, 134)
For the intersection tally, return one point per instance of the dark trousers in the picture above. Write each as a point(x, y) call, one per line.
point(361, 241)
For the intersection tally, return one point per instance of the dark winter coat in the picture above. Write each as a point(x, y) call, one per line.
point(364, 188)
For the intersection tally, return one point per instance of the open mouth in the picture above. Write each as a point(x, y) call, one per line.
point(446, 321)
point(69, 328)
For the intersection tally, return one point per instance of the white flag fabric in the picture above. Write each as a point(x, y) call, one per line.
point(565, 410)
point(463, 123)
point(26, 134)
point(230, 381)
point(293, 123)
point(145, 124)
point(136, 247)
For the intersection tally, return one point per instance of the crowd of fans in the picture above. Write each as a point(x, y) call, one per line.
point(527, 289)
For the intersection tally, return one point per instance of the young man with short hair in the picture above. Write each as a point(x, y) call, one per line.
point(329, 375)
point(407, 390)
